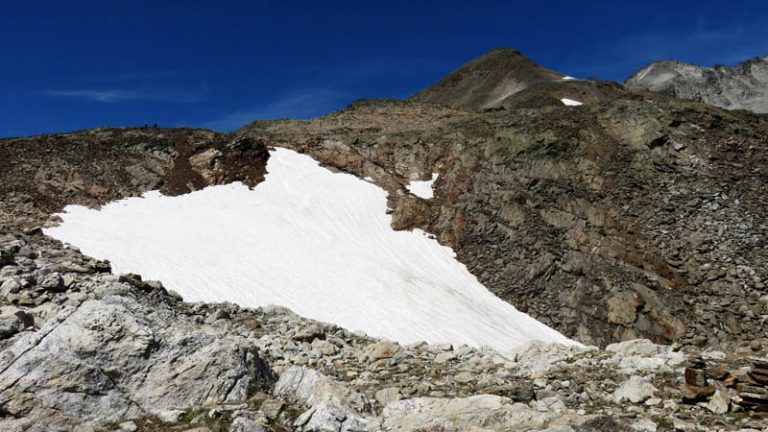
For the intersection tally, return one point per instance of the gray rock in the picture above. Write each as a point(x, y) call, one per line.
point(116, 358)
point(444, 357)
point(309, 333)
point(10, 286)
point(128, 426)
point(635, 390)
point(535, 358)
point(720, 402)
point(464, 377)
point(643, 355)
point(244, 424)
point(548, 404)
point(171, 416)
point(387, 395)
point(332, 406)
point(644, 425)
point(14, 320)
point(271, 408)
point(475, 413)
point(640, 347)
point(325, 347)
point(744, 86)
point(52, 282)
point(383, 349)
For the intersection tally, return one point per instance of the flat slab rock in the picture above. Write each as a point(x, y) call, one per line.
point(333, 406)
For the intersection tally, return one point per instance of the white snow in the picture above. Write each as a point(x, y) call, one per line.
point(423, 188)
point(644, 72)
point(317, 242)
point(570, 102)
point(568, 78)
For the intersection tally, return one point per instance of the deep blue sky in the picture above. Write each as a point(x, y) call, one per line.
point(67, 65)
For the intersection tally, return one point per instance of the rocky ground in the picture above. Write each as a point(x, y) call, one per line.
point(83, 349)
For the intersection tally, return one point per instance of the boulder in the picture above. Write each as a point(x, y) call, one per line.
point(171, 416)
point(244, 424)
point(331, 406)
point(635, 390)
point(382, 350)
point(535, 358)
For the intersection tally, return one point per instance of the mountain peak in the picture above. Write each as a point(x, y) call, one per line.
point(502, 50)
point(487, 80)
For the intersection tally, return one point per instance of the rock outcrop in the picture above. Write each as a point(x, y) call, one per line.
point(99, 348)
point(744, 86)
point(42, 174)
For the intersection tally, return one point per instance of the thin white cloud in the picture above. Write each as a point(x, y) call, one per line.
point(304, 104)
point(701, 45)
point(126, 95)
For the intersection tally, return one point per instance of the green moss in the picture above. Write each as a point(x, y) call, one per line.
point(152, 423)
point(664, 423)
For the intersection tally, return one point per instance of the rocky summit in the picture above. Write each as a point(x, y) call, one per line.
point(487, 81)
point(633, 222)
point(744, 86)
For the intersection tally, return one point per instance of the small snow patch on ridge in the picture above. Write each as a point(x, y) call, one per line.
point(423, 188)
point(568, 78)
point(570, 102)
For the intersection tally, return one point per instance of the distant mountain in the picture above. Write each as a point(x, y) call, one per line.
point(487, 80)
point(744, 86)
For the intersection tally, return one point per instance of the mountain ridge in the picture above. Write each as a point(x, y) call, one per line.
point(743, 86)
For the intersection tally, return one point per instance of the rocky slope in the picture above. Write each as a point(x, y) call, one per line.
point(42, 174)
point(632, 216)
point(627, 218)
point(487, 80)
point(744, 86)
point(83, 349)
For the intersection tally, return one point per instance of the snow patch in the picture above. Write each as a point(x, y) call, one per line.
point(644, 72)
point(568, 78)
point(423, 188)
point(315, 241)
point(570, 102)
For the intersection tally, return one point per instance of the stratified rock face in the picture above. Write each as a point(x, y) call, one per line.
point(117, 357)
point(744, 86)
point(487, 80)
point(44, 173)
